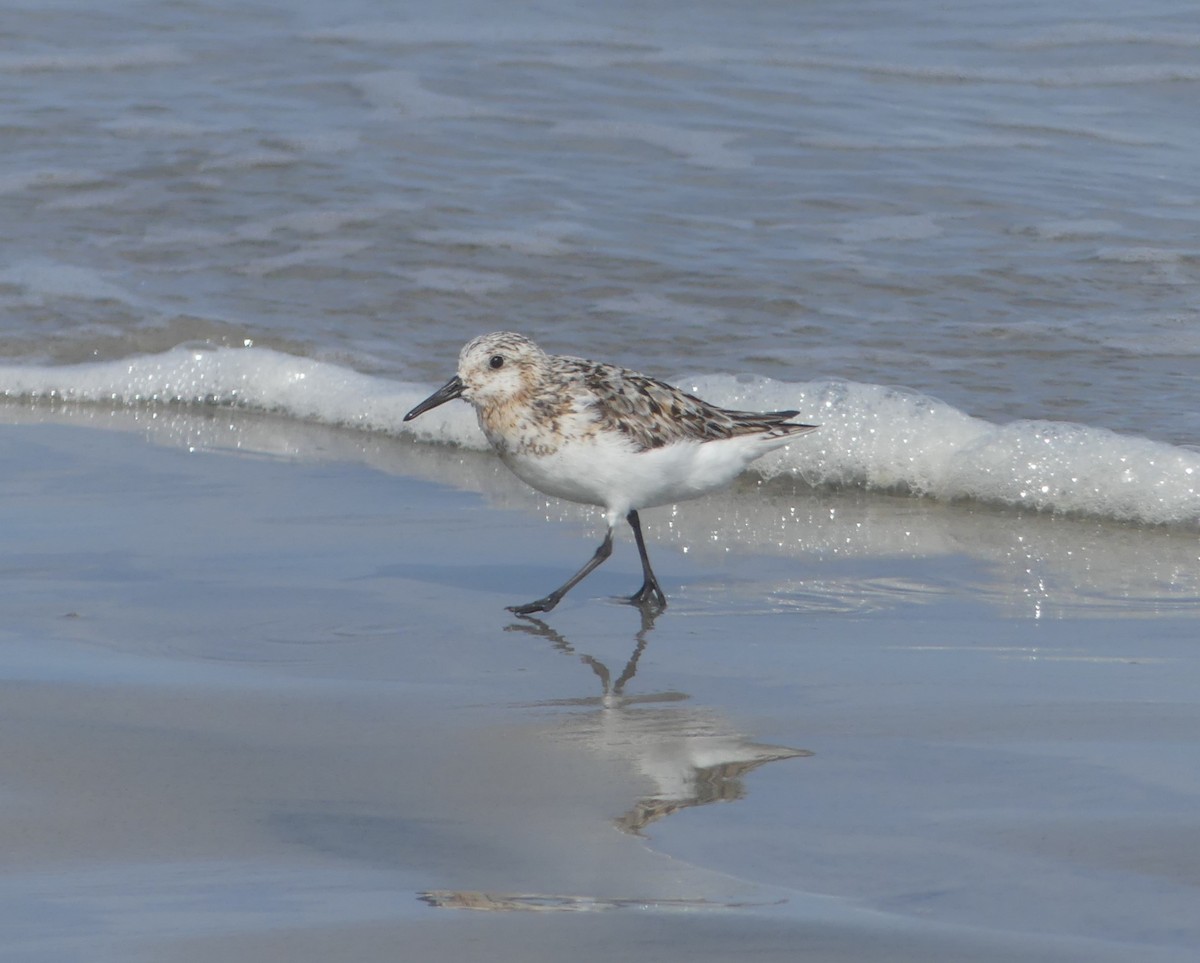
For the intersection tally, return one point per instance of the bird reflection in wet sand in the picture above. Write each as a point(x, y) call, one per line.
point(692, 755)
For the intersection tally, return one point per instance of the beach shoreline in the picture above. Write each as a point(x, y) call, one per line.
point(290, 674)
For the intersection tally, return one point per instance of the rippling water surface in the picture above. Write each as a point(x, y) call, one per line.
point(995, 206)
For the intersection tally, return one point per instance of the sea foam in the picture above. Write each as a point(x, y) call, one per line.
point(871, 436)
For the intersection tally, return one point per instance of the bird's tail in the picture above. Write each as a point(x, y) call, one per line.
point(770, 424)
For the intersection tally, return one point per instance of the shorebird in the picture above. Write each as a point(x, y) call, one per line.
point(603, 435)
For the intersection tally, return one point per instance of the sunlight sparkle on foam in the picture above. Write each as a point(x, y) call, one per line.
point(871, 436)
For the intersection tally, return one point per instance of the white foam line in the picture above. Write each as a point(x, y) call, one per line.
point(871, 436)
point(255, 378)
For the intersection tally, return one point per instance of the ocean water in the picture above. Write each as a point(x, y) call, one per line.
point(960, 237)
point(262, 699)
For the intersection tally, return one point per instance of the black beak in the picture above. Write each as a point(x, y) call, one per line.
point(447, 392)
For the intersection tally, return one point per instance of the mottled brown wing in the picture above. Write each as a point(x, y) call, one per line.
point(652, 413)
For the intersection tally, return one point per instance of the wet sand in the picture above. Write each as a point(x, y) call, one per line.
point(260, 699)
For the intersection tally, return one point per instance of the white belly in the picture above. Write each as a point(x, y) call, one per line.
point(605, 470)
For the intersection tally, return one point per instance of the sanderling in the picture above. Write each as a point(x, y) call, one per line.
point(601, 435)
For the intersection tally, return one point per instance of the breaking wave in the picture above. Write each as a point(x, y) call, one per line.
point(872, 436)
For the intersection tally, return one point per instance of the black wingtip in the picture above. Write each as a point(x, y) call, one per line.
point(783, 420)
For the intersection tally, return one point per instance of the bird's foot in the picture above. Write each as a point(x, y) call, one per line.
point(649, 596)
point(541, 605)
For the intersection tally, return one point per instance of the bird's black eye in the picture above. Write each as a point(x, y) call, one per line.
point(497, 361)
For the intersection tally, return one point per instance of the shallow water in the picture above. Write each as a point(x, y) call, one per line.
point(256, 707)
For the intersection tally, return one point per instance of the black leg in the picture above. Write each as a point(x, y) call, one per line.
point(649, 595)
point(551, 600)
